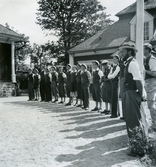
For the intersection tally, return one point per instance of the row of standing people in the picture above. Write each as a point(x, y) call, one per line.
point(105, 88)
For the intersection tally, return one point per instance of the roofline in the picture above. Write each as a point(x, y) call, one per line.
point(90, 50)
point(124, 9)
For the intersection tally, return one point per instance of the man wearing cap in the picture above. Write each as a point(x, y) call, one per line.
point(150, 81)
point(106, 86)
point(114, 77)
point(133, 92)
point(85, 83)
point(96, 89)
point(78, 78)
point(54, 81)
point(68, 85)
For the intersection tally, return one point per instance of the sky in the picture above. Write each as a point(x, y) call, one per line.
point(21, 14)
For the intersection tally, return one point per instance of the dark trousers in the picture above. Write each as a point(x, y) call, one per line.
point(96, 92)
point(114, 100)
point(54, 89)
point(68, 88)
point(30, 91)
point(62, 90)
point(79, 90)
point(42, 91)
point(48, 91)
point(85, 94)
point(121, 93)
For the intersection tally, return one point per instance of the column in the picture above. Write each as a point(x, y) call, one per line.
point(140, 33)
point(71, 59)
point(13, 75)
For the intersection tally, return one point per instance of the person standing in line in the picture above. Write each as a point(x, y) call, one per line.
point(42, 83)
point(30, 85)
point(106, 87)
point(85, 83)
point(48, 86)
point(96, 87)
point(133, 93)
point(78, 78)
point(114, 79)
point(68, 85)
point(36, 84)
point(74, 83)
point(150, 82)
point(61, 85)
point(121, 65)
point(54, 81)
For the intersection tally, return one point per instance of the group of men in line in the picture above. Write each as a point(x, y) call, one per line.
point(105, 80)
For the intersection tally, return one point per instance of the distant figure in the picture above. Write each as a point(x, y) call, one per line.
point(78, 79)
point(36, 84)
point(30, 85)
point(74, 84)
point(96, 87)
point(68, 85)
point(150, 81)
point(106, 87)
point(62, 85)
point(54, 81)
point(114, 79)
point(85, 83)
point(47, 86)
point(42, 83)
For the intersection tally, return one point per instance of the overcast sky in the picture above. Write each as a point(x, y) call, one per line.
point(20, 14)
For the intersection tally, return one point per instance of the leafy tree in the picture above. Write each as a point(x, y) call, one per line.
point(73, 21)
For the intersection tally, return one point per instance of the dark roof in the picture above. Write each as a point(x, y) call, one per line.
point(150, 4)
point(8, 32)
point(111, 37)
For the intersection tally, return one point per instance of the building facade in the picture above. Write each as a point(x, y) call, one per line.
point(7, 60)
point(106, 43)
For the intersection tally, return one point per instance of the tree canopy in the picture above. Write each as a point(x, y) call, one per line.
point(73, 21)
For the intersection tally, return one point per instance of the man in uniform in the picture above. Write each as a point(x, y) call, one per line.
point(42, 83)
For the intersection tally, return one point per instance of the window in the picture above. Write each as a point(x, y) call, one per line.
point(146, 31)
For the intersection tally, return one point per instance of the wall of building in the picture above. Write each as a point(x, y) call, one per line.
point(7, 89)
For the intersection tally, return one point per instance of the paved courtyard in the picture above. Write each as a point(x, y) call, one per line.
point(35, 134)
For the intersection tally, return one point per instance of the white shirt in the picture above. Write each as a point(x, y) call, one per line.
point(152, 63)
point(112, 75)
point(134, 70)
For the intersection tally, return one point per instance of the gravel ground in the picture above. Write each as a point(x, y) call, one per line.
point(35, 134)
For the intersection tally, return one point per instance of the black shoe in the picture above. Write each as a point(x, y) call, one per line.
point(123, 118)
point(68, 104)
point(95, 109)
point(61, 102)
point(80, 105)
point(112, 116)
point(107, 112)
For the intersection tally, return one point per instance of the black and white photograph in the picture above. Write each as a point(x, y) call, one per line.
point(77, 83)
